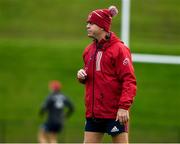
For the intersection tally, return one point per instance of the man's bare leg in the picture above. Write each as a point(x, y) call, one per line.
point(52, 137)
point(93, 137)
point(120, 138)
point(42, 137)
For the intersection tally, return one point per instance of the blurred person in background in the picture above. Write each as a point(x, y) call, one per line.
point(54, 105)
point(109, 79)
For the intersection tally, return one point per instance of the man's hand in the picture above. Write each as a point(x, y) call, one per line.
point(122, 116)
point(81, 74)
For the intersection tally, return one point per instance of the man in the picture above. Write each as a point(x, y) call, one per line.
point(109, 79)
point(54, 106)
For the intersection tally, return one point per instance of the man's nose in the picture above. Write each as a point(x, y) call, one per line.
point(88, 26)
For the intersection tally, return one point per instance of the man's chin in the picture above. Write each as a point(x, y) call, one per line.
point(90, 36)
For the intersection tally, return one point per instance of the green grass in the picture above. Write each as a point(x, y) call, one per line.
point(27, 67)
point(43, 40)
point(155, 109)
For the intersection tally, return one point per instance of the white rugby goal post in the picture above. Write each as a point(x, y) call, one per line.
point(145, 58)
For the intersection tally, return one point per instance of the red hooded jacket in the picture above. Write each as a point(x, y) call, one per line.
point(110, 82)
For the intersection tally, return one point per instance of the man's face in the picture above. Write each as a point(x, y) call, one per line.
point(93, 30)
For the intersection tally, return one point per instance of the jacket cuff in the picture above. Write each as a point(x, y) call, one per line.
point(124, 107)
point(82, 80)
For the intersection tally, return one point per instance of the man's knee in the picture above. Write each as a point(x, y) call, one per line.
point(121, 138)
point(93, 137)
point(42, 137)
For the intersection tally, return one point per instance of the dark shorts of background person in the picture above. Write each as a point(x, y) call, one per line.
point(52, 127)
point(109, 126)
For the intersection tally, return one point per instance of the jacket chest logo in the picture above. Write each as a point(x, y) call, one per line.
point(126, 61)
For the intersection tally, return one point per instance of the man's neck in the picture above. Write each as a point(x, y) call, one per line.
point(102, 36)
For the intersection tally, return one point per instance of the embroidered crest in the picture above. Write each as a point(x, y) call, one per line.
point(126, 61)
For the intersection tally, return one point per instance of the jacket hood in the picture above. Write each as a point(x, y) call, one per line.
point(107, 43)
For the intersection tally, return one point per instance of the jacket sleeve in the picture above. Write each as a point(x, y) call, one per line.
point(84, 55)
point(45, 105)
point(126, 77)
point(70, 107)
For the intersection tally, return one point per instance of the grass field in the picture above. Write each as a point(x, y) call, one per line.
point(38, 43)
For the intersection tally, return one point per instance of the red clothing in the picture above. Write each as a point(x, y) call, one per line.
point(110, 82)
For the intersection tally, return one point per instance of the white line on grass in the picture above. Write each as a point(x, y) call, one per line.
point(162, 59)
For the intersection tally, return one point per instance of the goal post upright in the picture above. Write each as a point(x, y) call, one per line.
point(125, 26)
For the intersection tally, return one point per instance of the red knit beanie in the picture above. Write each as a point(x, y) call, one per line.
point(55, 85)
point(103, 17)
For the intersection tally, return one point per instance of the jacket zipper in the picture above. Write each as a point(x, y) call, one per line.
point(94, 61)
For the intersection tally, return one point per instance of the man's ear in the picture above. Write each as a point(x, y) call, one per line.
point(102, 29)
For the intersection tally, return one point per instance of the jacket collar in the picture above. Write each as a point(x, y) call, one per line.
point(105, 43)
